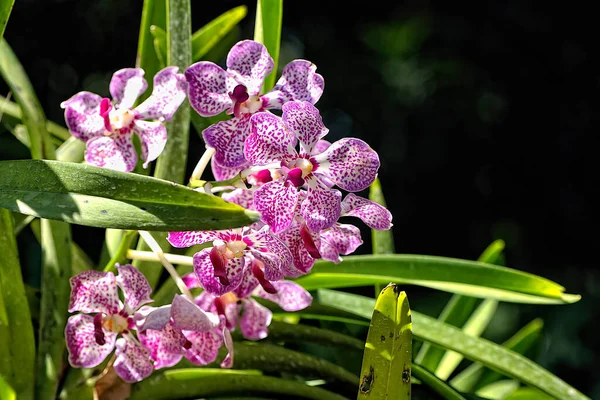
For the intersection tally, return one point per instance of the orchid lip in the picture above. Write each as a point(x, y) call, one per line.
point(308, 241)
point(260, 276)
point(98, 331)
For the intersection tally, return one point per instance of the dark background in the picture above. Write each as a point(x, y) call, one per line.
point(482, 114)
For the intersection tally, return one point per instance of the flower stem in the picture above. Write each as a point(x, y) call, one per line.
point(155, 247)
point(150, 256)
point(201, 166)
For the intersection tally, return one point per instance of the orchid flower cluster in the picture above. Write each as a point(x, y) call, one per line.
point(277, 165)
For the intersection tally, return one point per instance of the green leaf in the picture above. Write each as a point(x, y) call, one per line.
point(160, 44)
point(476, 376)
point(526, 393)
point(385, 371)
point(498, 390)
point(267, 30)
point(205, 38)
point(201, 382)
point(72, 150)
point(92, 196)
point(284, 332)
point(153, 13)
point(435, 383)
point(5, 9)
point(474, 326)
point(33, 115)
point(17, 344)
point(492, 355)
point(383, 241)
point(56, 271)
point(449, 274)
point(6, 391)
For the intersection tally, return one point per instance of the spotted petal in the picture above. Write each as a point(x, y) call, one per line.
point(371, 213)
point(134, 285)
point(228, 360)
point(166, 345)
point(115, 152)
point(270, 141)
point(298, 81)
point(133, 360)
point(321, 209)
point(205, 347)
point(276, 203)
point(271, 251)
point(248, 284)
point(350, 163)
point(302, 260)
point(152, 317)
point(94, 291)
point(206, 273)
point(339, 239)
point(188, 316)
point(222, 173)
point(227, 138)
point(241, 197)
point(167, 95)
point(303, 120)
point(255, 320)
point(153, 136)
point(290, 296)
point(207, 88)
point(249, 63)
point(84, 351)
point(126, 86)
point(82, 115)
point(190, 238)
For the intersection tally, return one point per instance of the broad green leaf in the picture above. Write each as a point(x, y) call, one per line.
point(435, 383)
point(386, 366)
point(283, 332)
point(383, 241)
point(456, 312)
point(17, 344)
point(210, 34)
point(448, 274)
point(92, 196)
point(476, 376)
point(202, 382)
point(474, 326)
point(153, 13)
point(267, 30)
point(498, 390)
point(490, 354)
point(6, 391)
point(56, 271)
point(5, 9)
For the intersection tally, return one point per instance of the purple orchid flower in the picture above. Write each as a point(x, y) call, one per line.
point(90, 339)
point(238, 307)
point(221, 267)
point(182, 329)
point(108, 128)
point(348, 163)
point(213, 90)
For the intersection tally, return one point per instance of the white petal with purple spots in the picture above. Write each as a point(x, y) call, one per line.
point(302, 260)
point(303, 120)
point(371, 213)
point(133, 360)
point(276, 203)
point(255, 320)
point(134, 285)
point(298, 81)
point(94, 291)
point(222, 173)
point(153, 136)
point(249, 63)
point(241, 197)
point(228, 360)
point(248, 284)
point(207, 88)
point(126, 86)
point(339, 239)
point(187, 315)
point(290, 296)
point(82, 115)
point(321, 209)
point(227, 138)
point(152, 317)
point(113, 152)
point(190, 238)
point(205, 347)
point(168, 94)
point(84, 351)
point(205, 271)
point(165, 345)
point(269, 140)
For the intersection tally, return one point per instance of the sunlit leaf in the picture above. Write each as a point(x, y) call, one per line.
point(205, 38)
point(6, 391)
point(383, 241)
point(526, 393)
point(498, 390)
point(449, 274)
point(490, 354)
point(267, 30)
point(5, 9)
point(386, 366)
point(153, 13)
point(88, 195)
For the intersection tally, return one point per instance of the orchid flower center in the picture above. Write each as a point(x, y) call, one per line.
point(116, 323)
point(306, 166)
point(115, 119)
point(243, 103)
point(299, 169)
point(120, 119)
point(231, 249)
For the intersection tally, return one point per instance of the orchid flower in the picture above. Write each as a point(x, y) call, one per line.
point(90, 339)
point(221, 267)
point(212, 90)
point(348, 163)
point(107, 127)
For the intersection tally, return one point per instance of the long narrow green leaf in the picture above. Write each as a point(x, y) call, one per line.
point(205, 38)
point(88, 195)
point(449, 274)
point(474, 326)
point(386, 366)
point(5, 9)
point(476, 376)
point(490, 354)
point(267, 30)
point(160, 44)
point(527, 393)
point(498, 390)
point(153, 13)
point(435, 383)
point(8, 108)
point(383, 241)
point(6, 391)
point(281, 331)
point(456, 312)
point(17, 345)
point(202, 382)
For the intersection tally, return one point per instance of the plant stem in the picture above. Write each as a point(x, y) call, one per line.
point(202, 163)
point(150, 256)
